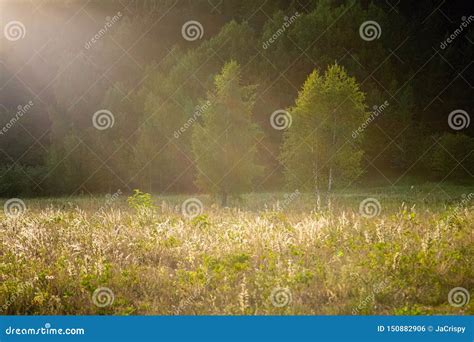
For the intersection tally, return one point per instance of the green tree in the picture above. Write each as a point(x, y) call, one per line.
point(317, 147)
point(224, 143)
point(450, 157)
point(392, 139)
point(162, 161)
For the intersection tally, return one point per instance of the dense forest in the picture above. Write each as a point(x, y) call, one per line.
point(237, 157)
point(161, 95)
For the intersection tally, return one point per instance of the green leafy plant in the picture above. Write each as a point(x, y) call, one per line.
point(201, 221)
point(140, 200)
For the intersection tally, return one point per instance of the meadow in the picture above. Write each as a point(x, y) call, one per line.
point(401, 250)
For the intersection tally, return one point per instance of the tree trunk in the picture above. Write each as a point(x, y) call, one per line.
point(315, 170)
point(315, 178)
point(333, 148)
point(149, 178)
point(330, 179)
point(224, 199)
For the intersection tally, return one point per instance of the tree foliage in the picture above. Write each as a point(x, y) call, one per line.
point(318, 150)
point(225, 142)
point(151, 79)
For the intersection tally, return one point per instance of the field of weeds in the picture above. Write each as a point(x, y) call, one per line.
point(385, 251)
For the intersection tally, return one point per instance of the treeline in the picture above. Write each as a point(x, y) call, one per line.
point(141, 106)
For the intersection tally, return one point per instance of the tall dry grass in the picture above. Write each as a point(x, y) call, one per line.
point(63, 257)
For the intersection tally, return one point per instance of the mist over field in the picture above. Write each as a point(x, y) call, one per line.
point(204, 157)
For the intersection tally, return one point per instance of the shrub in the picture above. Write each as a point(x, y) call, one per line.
point(140, 200)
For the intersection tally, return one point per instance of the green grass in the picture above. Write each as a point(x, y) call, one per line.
point(271, 253)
